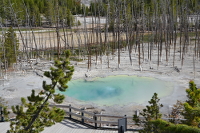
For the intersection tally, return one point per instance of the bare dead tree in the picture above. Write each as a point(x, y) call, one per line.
point(13, 13)
point(57, 29)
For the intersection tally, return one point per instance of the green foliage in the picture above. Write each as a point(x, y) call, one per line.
point(193, 94)
point(36, 114)
point(152, 112)
point(5, 111)
point(111, 26)
point(78, 23)
point(162, 126)
point(149, 113)
point(98, 8)
point(9, 49)
point(31, 12)
point(192, 105)
point(190, 110)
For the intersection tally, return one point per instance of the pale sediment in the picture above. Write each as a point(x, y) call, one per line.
point(18, 85)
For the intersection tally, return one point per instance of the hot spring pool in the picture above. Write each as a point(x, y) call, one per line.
point(119, 90)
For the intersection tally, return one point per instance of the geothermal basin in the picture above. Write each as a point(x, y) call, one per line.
point(118, 90)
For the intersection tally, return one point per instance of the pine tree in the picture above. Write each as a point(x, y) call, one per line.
point(192, 105)
point(149, 113)
point(33, 116)
point(4, 109)
point(9, 49)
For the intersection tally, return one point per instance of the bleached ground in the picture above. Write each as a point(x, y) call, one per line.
point(19, 84)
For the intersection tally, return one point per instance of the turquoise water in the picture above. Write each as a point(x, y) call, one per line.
point(119, 90)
